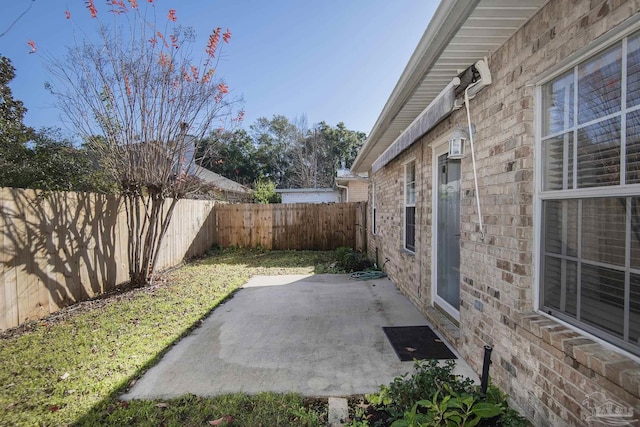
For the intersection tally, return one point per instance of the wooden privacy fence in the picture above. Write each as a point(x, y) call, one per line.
point(58, 248)
point(292, 226)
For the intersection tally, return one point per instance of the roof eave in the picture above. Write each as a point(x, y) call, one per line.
point(446, 21)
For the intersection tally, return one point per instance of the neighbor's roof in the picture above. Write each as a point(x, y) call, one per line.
point(350, 177)
point(343, 174)
point(220, 181)
point(460, 33)
point(305, 190)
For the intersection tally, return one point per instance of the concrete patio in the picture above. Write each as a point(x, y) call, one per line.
point(318, 335)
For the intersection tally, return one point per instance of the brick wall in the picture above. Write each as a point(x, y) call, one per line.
point(400, 265)
point(548, 369)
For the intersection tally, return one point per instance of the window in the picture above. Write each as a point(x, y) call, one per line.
point(590, 141)
point(373, 208)
point(410, 206)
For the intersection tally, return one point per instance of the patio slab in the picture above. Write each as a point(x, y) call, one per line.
point(318, 335)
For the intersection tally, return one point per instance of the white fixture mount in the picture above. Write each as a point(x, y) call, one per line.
point(456, 144)
point(484, 79)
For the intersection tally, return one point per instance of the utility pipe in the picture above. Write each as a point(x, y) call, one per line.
point(473, 157)
point(345, 188)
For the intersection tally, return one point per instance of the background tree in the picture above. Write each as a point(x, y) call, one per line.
point(274, 139)
point(231, 154)
point(49, 161)
point(265, 192)
point(55, 163)
point(283, 151)
point(344, 144)
point(140, 91)
point(319, 152)
point(13, 133)
point(309, 158)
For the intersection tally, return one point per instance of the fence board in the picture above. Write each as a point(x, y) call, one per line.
point(289, 226)
point(60, 248)
point(10, 275)
point(121, 246)
point(42, 266)
point(23, 262)
point(361, 228)
point(4, 263)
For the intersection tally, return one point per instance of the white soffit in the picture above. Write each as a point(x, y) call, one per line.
point(490, 24)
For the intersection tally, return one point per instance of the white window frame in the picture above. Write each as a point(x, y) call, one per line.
point(406, 183)
point(630, 27)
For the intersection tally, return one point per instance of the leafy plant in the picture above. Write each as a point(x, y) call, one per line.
point(348, 260)
point(451, 410)
point(511, 418)
point(308, 416)
point(434, 396)
point(429, 377)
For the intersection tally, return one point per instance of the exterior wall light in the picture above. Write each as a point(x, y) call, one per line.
point(456, 144)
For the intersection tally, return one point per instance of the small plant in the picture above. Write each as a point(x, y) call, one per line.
point(429, 377)
point(434, 396)
point(450, 410)
point(348, 260)
point(307, 416)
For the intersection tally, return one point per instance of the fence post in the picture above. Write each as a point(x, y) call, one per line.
point(361, 227)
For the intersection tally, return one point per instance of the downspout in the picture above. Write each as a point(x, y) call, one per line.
point(479, 69)
point(473, 159)
point(345, 188)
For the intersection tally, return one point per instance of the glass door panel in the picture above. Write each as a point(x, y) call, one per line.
point(448, 232)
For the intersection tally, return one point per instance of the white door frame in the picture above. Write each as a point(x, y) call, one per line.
point(439, 148)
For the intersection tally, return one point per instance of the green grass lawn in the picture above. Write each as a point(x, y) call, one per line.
point(72, 370)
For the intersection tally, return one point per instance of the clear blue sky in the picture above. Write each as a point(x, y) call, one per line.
point(331, 60)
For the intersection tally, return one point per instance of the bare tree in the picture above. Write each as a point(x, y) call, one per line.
point(318, 151)
point(145, 105)
point(305, 155)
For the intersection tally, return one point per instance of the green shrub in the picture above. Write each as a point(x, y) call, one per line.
point(265, 192)
point(348, 260)
point(434, 396)
point(429, 377)
point(449, 409)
